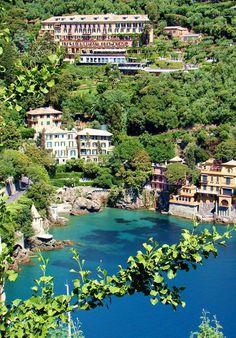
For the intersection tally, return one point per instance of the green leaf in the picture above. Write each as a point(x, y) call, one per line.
point(77, 283)
point(171, 274)
point(20, 89)
point(53, 58)
point(11, 275)
point(158, 278)
point(197, 257)
point(154, 301)
point(16, 302)
point(148, 247)
point(44, 90)
point(18, 108)
point(51, 83)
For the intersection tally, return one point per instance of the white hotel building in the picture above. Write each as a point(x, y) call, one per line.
point(87, 144)
point(62, 143)
point(93, 143)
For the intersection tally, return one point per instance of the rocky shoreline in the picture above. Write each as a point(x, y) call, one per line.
point(34, 245)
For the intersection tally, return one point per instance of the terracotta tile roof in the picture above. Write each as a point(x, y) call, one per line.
point(43, 111)
point(97, 18)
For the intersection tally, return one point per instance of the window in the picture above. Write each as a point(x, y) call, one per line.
point(42, 123)
point(212, 188)
point(227, 192)
point(204, 178)
point(72, 153)
point(204, 187)
point(48, 123)
point(71, 143)
point(228, 180)
point(63, 144)
point(48, 116)
point(94, 152)
point(49, 144)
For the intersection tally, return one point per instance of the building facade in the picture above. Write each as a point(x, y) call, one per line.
point(184, 203)
point(88, 32)
point(103, 56)
point(93, 143)
point(218, 182)
point(61, 143)
point(87, 144)
point(159, 181)
point(43, 118)
point(182, 33)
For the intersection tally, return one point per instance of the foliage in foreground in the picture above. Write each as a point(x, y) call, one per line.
point(149, 273)
point(208, 328)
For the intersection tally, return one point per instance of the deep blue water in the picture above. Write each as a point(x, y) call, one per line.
point(108, 238)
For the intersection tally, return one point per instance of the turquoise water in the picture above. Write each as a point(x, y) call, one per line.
point(108, 238)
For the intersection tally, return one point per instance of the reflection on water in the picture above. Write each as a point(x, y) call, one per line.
point(109, 238)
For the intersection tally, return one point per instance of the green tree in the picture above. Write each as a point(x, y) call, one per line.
point(10, 136)
point(17, 160)
point(208, 328)
point(38, 155)
point(194, 155)
point(90, 169)
point(176, 173)
point(226, 150)
point(41, 194)
point(7, 225)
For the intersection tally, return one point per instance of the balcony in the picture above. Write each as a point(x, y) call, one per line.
point(208, 192)
point(214, 169)
point(32, 119)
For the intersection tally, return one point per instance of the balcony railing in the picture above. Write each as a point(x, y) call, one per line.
point(209, 192)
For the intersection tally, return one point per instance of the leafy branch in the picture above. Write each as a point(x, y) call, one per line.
point(148, 272)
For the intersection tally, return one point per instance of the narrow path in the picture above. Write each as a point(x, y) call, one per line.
point(15, 197)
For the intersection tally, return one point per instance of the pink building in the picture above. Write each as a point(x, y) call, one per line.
point(159, 181)
point(77, 33)
point(182, 33)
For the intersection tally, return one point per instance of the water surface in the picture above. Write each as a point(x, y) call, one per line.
point(107, 239)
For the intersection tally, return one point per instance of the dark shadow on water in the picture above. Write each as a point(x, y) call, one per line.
point(124, 221)
point(102, 237)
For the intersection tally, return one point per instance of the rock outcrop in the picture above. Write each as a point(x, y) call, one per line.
point(80, 200)
point(130, 201)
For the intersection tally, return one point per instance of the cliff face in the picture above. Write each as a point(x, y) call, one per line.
point(81, 200)
point(130, 201)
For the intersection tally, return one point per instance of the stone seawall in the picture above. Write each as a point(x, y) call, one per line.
point(183, 210)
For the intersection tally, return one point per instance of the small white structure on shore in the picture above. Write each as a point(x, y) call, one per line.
point(37, 223)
